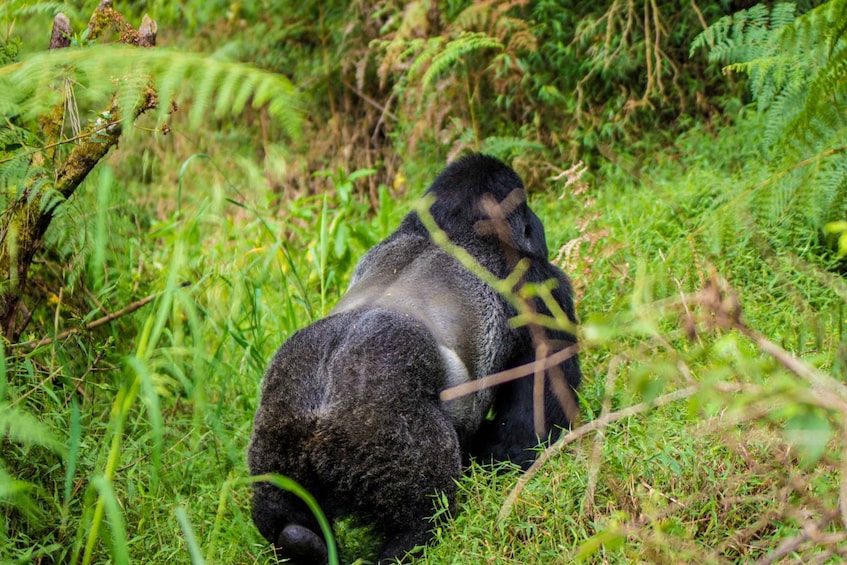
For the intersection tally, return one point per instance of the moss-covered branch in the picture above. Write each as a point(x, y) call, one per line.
point(27, 217)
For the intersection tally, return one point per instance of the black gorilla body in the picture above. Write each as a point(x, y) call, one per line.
point(350, 404)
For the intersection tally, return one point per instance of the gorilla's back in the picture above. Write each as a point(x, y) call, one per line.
point(461, 312)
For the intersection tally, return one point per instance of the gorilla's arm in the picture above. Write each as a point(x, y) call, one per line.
point(510, 435)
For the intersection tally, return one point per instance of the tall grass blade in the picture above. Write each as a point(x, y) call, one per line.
point(190, 539)
point(3, 372)
point(150, 397)
point(119, 546)
point(73, 451)
point(293, 487)
point(289, 485)
point(182, 170)
point(98, 257)
point(323, 253)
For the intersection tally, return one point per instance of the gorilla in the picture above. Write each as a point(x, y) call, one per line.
point(350, 405)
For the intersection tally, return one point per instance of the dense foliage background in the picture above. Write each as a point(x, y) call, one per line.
point(687, 159)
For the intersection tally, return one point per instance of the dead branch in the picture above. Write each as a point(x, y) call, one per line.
point(722, 302)
point(495, 379)
point(584, 430)
point(811, 530)
point(129, 309)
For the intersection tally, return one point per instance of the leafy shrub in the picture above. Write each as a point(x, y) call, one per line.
point(797, 76)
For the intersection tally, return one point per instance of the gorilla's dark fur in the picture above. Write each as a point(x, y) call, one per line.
point(350, 405)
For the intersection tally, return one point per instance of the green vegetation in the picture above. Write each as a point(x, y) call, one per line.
point(705, 237)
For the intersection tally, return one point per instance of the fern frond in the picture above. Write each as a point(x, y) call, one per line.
point(204, 88)
point(126, 71)
point(797, 69)
point(745, 35)
point(508, 147)
point(798, 65)
point(781, 107)
point(456, 49)
point(474, 16)
point(13, 170)
point(433, 45)
point(522, 40)
point(410, 28)
point(22, 427)
point(17, 491)
point(831, 194)
point(18, 8)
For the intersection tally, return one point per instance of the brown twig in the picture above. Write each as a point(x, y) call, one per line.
point(818, 379)
point(584, 430)
point(810, 530)
point(495, 379)
point(718, 298)
point(371, 101)
point(99, 129)
point(129, 309)
point(703, 23)
point(600, 439)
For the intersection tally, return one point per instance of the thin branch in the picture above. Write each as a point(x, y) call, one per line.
point(104, 126)
point(495, 379)
point(129, 309)
point(816, 378)
point(718, 298)
point(792, 544)
point(703, 23)
point(371, 101)
point(600, 438)
point(538, 388)
point(583, 430)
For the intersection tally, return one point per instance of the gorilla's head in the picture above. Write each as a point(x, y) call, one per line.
point(469, 195)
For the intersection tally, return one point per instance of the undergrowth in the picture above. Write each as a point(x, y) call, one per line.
point(683, 482)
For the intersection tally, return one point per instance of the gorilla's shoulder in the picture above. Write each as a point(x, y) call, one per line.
point(393, 253)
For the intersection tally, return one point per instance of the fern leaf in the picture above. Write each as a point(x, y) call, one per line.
point(226, 91)
point(455, 50)
point(433, 45)
point(12, 9)
point(797, 69)
point(22, 427)
point(98, 69)
point(508, 147)
point(203, 90)
point(474, 15)
point(745, 35)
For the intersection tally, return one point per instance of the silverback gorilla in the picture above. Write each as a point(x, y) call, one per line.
point(350, 405)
